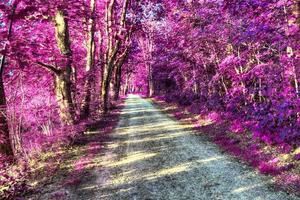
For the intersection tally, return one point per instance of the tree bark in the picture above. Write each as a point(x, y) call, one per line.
point(63, 76)
point(150, 81)
point(118, 74)
point(107, 68)
point(64, 97)
point(5, 143)
point(260, 96)
point(111, 52)
point(117, 85)
point(85, 110)
point(119, 63)
point(127, 79)
point(146, 43)
point(149, 65)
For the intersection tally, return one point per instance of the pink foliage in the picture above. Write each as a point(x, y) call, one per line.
point(228, 60)
point(237, 127)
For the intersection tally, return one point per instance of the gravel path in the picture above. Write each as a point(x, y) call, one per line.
point(153, 157)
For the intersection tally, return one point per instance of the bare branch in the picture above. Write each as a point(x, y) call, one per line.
point(50, 68)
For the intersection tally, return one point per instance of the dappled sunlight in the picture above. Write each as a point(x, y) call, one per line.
point(245, 176)
point(96, 162)
point(173, 170)
point(170, 171)
point(91, 132)
point(125, 179)
point(92, 187)
point(137, 156)
point(156, 138)
point(112, 145)
point(134, 111)
point(210, 159)
point(225, 74)
point(150, 155)
point(249, 187)
point(150, 127)
point(205, 122)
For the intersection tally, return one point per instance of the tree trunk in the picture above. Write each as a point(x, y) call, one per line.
point(126, 87)
point(64, 97)
point(111, 52)
point(105, 91)
point(224, 85)
point(118, 73)
point(63, 77)
point(106, 74)
point(150, 81)
point(85, 110)
point(147, 46)
point(5, 143)
point(118, 79)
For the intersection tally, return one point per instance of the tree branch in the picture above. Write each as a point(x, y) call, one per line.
point(50, 68)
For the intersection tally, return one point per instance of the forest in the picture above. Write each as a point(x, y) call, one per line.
point(230, 67)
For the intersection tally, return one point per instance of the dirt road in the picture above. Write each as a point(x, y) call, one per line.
point(151, 157)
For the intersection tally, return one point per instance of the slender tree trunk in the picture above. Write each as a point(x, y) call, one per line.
point(5, 143)
point(150, 69)
point(150, 81)
point(101, 56)
point(147, 47)
point(126, 87)
point(106, 85)
point(296, 81)
point(224, 85)
point(259, 84)
point(109, 36)
point(105, 91)
point(117, 85)
point(118, 75)
point(195, 82)
point(85, 110)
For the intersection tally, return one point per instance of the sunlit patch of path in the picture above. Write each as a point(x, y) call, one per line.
point(151, 156)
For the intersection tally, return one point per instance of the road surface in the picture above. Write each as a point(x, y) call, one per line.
point(153, 157)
